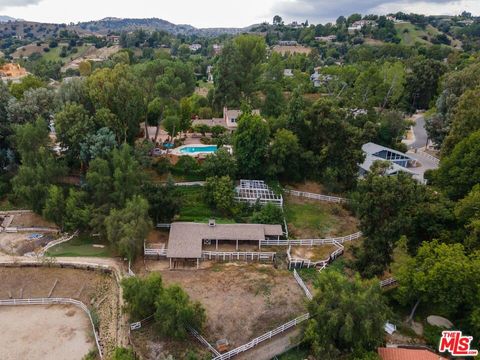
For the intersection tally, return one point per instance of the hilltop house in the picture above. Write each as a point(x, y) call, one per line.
point(189, 243)
point(359, 25)
point(115, 39)
point(320, 79)
point(399, 161)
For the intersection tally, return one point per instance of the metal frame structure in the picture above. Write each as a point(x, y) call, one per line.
point(256, 191)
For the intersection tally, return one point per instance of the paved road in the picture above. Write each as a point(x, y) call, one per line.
point(421, 136)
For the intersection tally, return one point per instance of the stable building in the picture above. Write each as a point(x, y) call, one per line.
point(188, 242)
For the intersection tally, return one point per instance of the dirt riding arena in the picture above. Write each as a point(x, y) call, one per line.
point(241, 301)
point(99, 292)
point(45, 332)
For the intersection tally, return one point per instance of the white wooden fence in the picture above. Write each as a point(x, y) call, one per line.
point(16, 229)
point(311, 242)
point(262, 338)
point(428, 156)
point(56, 301)
point(241, 255)
point(300, 282)
point(57, 242)
point(204, 341)
point(308, 195)
point(155, 252)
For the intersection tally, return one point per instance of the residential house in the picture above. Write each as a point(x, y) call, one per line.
point(328, 38)
point(288, 43)
point(195, 47)
point(288, 73)
point(115, 39)
point(359, 25)
point(320, 79)
point(217, 49)
point(399, 162)
point(229, 120)
point(210, 74)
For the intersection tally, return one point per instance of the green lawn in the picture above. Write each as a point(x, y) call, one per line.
point(297, 353)
point(314, 219)
point(413, 35)
point(194, 209)
point(54, 54)
point(81, 246)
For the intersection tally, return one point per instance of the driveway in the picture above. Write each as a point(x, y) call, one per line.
point(421, 136)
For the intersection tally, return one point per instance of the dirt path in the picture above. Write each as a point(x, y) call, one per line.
point(115, 265)
point(23, 334)
point(276, 346)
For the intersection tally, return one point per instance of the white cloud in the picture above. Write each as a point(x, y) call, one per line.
point(16, 3)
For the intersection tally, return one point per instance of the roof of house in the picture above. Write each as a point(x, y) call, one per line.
point(407, 354)
point(185, 239)
point(371, 149)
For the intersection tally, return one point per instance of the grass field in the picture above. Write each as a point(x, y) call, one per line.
point(307, 219)
point(193, 207)
point(81, 246)
point(411, 34)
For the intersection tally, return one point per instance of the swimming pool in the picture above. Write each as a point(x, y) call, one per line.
point(198, 149)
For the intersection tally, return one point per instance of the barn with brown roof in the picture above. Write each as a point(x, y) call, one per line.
point(187, 239)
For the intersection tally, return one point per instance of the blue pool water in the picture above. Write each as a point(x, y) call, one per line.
point(199, 149)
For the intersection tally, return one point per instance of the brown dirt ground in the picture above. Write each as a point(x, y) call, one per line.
point(315, 253)
point(69, 334)
point(31, 219)
point(19, 244)
point(150, 346)
point(299, 49)
point(157, 238)
point(312, 187)
point(241, 301)
point(94, 289)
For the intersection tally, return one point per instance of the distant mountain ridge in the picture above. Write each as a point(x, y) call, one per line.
point(112, 24)
point(4, 18)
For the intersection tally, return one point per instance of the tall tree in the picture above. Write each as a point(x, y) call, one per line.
point(251, 145)
point(127, 228)
point(346, 316)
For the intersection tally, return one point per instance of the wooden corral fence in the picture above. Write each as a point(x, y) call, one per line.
point(16, 229)
point(301, 263)
point(311, 242)
point(139, 324)
point(242, 255)
point(308, 195)
point(155, 252)
point(262, 338)
point(422, 153)
point(56, 301)
point(300, 282)
point(204, 341)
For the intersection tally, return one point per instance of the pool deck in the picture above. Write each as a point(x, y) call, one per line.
point(178, 151)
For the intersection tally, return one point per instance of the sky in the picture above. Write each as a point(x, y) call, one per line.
point(223, 13)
